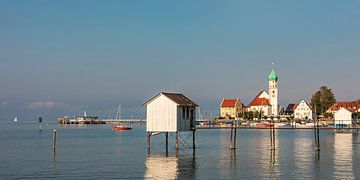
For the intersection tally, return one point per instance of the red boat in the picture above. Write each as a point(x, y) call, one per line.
point(121, 127)
point(264, 125)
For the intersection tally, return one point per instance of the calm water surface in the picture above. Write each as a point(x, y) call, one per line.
point(97, 152)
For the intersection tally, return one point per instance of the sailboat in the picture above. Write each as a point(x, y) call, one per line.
point(15, 120)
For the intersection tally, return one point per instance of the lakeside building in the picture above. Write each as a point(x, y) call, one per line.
point(170, 112)
point(290, 109)
point(230, 108)
point(260, 104)
point(267, 104)
point(351, 106)
point(344, 117)
point(303, 111)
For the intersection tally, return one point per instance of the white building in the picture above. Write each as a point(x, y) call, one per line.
point(170, 112)
point(303, 111)
point(343, 117)
point(260, 104)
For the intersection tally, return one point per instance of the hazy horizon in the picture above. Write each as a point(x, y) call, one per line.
point(64, 57)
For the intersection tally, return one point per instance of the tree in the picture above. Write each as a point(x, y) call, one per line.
point(322, 100)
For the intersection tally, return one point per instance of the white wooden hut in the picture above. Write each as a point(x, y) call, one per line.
point(344, 117)
point(170, 112)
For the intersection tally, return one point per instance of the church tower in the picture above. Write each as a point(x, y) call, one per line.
point(273, 92)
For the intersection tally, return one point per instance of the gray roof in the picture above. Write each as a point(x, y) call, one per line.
point(178, 98)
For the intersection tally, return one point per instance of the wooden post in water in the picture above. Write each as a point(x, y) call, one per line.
point(231, 137)
point(274, 137)
point(318, 136)
point(177, 141)
point(234, 146)
point(194, 138)
point(274, 140)
point(148, 143)
point(167, 142)
point(54, 140)
point(271, 138)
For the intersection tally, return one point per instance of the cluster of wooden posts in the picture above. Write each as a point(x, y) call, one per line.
point(177, 145)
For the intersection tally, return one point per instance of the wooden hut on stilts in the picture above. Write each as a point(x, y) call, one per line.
point(170, 113)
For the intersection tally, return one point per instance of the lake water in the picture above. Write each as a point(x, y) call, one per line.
point(97, 152)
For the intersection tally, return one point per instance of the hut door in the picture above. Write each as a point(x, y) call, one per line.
point(192, 123)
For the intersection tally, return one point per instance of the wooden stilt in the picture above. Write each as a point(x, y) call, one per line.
point(148, 143)
point(177, 141)
point(193, 139)
point(167, 142)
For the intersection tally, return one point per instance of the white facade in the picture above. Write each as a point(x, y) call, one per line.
point(343, 116)
point(261, 104)
point(265, 110)
point(165, 115)
point(303, 111)
point(264, 95)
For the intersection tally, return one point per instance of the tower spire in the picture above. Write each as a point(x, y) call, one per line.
point(273, 91)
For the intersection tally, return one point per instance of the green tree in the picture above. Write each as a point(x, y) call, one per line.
point(322, 100)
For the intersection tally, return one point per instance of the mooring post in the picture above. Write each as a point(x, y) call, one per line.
point(318, 136)
point(177, 141)
point(148, 143)
point(271, 137)
point(54, 139)
point(274, 138)
point(231, 136)
point(234, 146)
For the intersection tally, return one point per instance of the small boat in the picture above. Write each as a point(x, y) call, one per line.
point(155, 133)
point(15, 120)
point(281, 125)
point(264, 125)
point(121, 127)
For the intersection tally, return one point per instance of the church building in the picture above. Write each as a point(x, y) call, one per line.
point(267, 103)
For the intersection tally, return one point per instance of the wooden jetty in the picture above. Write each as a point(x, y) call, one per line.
point(96, 120)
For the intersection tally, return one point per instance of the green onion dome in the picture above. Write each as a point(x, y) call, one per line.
point(273, 76)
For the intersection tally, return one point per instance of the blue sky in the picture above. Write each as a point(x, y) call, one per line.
point(65, 57)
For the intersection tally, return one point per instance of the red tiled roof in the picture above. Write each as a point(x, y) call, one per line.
point(259, 101)
point(229, 103)
point(351, 106)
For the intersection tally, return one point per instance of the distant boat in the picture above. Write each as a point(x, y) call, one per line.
point(15, 120)
point(121, 127)
point(282, 125)
point(264, 125)
point(155, 133)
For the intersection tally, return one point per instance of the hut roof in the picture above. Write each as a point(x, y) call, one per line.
point(178, 98)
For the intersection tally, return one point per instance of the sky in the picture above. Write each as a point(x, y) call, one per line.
point(64, 57)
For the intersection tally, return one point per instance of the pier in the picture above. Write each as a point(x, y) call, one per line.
point(95, 120)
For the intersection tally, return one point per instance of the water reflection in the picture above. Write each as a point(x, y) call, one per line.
point(303, 154)
point(164, 167)
point(343, 156)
